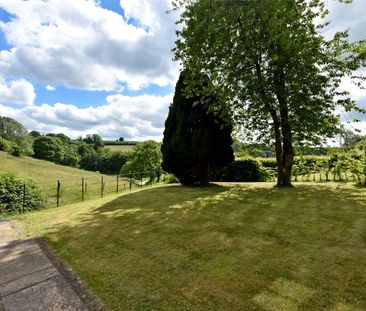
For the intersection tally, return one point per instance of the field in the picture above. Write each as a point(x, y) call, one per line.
point(46, 174)
point(39, 170)
point(121, 148)
point(224, 247)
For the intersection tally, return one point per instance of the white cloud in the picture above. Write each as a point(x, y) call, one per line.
point(348, 16)
point(138, 118)
point(78, 44)
point(50, 88)
point(19, 92)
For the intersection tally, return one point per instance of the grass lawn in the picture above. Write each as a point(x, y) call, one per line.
point(232, 247)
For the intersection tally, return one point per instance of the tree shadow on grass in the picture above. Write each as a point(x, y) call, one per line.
point(223, 248)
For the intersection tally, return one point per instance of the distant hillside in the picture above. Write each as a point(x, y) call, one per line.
point(40, 170)
point(112, 142)
point(122, 146)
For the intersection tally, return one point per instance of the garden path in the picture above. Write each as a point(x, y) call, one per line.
point(33, 278)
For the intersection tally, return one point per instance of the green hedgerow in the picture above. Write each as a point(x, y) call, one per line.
point(19, 195)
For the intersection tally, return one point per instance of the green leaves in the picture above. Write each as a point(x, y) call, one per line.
point(144, 161)
point(246, 46)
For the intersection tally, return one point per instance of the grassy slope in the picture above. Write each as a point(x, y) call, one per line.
point(122, 148)
point(39, 170)
point(243, 247)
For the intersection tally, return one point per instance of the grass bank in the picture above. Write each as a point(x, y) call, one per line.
point(39, 170)
point(46, 174)
point(231, 247)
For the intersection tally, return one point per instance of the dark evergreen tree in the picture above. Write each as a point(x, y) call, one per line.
point(196, 141)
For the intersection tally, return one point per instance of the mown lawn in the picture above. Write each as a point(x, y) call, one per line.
point(233, 247)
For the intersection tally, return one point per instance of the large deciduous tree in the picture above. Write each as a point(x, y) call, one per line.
point(13, 131)
point(196, 141)
point(144, 161)
point(270, 60)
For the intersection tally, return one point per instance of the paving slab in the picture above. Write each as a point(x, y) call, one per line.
point(13, 250)
point(20, 267)
point(28, 281)
point(9, 231)
point(55, 294)
point(33, 278)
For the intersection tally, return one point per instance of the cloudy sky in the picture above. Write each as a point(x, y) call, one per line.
point(88, 66)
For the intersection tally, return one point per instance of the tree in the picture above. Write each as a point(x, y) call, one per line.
point(196, 141)
point(48, 148)
point(15, 132)
point(34, 134)
point(269, 60)
point(144, 160)
point(121, 139)
point(111, 163)
point(94, 140)
point(350, 138)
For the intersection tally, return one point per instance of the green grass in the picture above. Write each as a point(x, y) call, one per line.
point(39, 170)
point(233, 247)
point(121, 148)
point(46, 174)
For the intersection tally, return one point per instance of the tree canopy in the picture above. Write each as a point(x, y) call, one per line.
point(15, 132)
point(144, 161)
point(271, 62)
point(196, 141)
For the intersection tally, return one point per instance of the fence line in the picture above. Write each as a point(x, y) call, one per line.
point(60, 192)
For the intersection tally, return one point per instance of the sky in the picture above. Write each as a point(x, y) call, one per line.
point(105, 66)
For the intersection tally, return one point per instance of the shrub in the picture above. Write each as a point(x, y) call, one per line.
point(5, 145)
point(17, 195)
point(241, 170)
point(268, 162)
point(171, 179)
point(16, 151)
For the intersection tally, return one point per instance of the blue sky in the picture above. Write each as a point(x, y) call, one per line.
point(106, 62)
point(104, 66)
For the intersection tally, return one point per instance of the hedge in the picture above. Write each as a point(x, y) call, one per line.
point(19, 195)
point(241, 170)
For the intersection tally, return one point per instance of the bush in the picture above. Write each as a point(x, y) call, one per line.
point(17, 195)
point(241, 170)
point(16, 151)
point(171, 179)
point(5, 145)
point(270, 163)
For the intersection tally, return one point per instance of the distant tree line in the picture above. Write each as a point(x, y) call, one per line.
point(86, 153)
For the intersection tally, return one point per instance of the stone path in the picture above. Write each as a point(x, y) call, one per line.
point(31, 279)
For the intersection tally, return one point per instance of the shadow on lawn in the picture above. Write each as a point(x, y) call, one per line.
point(224, 248)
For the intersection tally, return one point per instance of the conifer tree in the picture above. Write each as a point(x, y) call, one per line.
point(196, 141)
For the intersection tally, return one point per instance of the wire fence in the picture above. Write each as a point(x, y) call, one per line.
point(67, 191)
point(72, 191)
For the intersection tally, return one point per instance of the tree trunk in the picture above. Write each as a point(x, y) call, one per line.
point(284, 152)
point(284, 166)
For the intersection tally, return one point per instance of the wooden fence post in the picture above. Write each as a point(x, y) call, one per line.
point(23, 198)
point(102, 187)
point(82, 189)
point(117, 186)
point(58, 193)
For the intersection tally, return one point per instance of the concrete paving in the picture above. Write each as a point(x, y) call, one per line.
point(29, 280)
